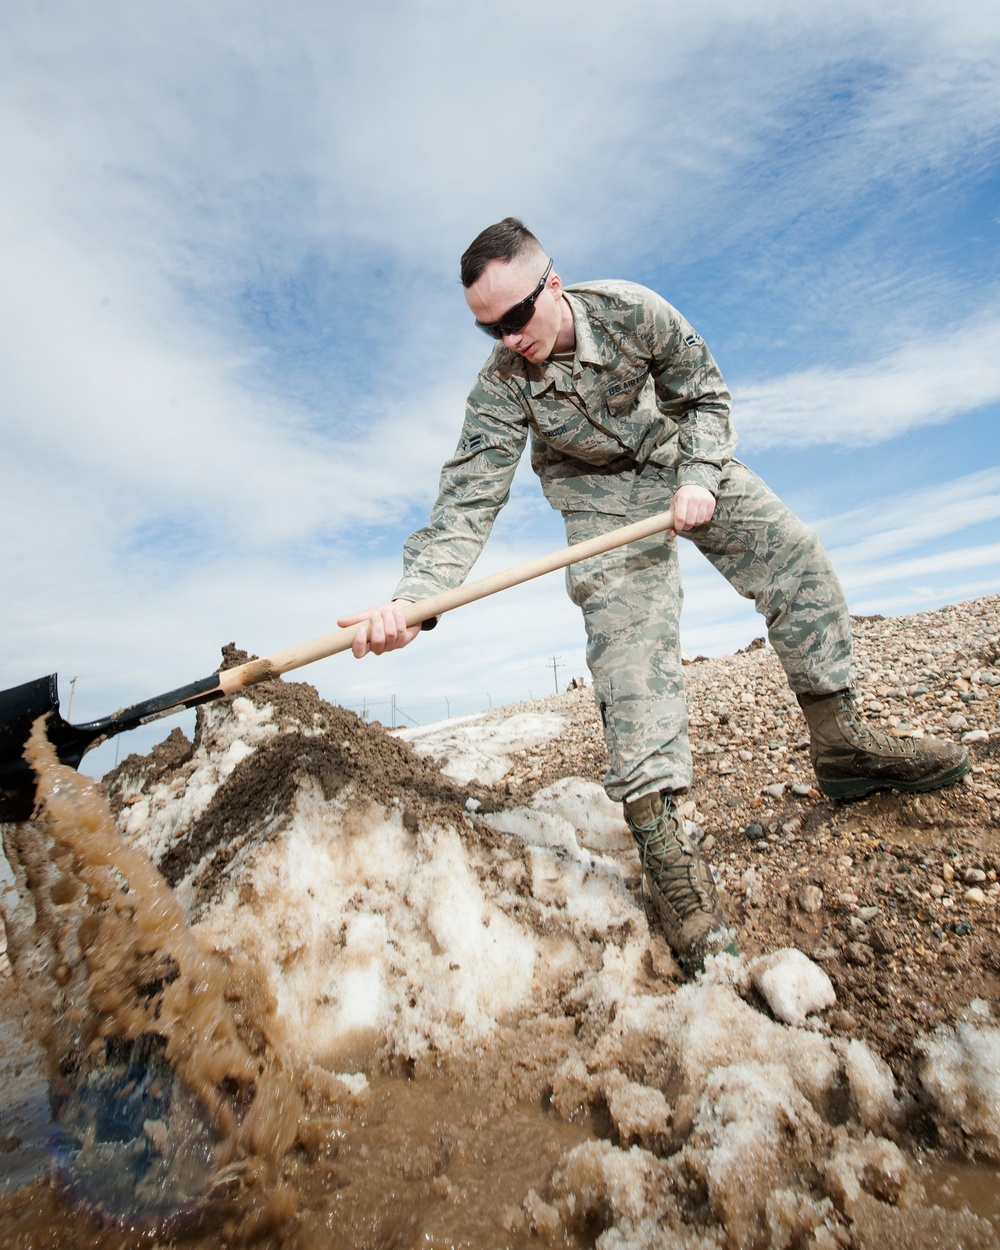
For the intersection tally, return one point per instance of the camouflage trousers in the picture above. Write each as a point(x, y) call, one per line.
point(631, 600)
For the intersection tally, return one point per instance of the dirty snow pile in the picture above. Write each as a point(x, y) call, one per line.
point(401, 930)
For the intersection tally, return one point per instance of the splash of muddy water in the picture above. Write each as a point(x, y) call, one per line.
point(158, 1049)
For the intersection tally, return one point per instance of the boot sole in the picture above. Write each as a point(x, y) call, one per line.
point(855, 787)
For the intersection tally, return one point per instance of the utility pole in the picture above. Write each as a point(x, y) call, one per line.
point(556, 664)
point(72, 692)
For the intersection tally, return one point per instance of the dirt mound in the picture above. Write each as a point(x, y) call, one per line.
point(307, 741)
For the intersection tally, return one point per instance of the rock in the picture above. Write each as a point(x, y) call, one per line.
point(754, 832)
point(802, 790)
point(956, 721)
point(881, 939)
point(947, 873)
point(974, 876)
point(776, 791)
point(974, 735)
point(810, 899)
point(858, 953)
point(867, 913)
point(974, 895)
point(792, 985)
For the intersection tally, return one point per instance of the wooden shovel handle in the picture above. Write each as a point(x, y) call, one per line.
point(255, 671)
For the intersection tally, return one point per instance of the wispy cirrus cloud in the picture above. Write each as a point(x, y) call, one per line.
point(925, 382)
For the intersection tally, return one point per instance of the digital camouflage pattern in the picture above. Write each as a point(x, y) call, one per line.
point(642, 410)
point(631, 600)
point(644, 389)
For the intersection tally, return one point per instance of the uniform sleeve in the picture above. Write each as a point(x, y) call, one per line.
point(475, 485)
point(690, 390)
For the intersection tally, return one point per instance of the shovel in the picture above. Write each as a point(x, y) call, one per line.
point(22, 705)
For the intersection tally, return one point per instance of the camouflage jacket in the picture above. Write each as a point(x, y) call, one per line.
point(644, 391)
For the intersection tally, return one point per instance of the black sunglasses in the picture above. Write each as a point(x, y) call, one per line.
point(516, 318)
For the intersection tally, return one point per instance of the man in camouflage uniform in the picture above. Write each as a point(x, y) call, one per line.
point(627, 414)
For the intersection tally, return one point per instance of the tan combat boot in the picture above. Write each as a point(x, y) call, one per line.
point(851, 758)
point(680, 883)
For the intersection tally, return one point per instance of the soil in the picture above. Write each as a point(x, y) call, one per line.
point(892, 927)
point(895, 896)
point(887, 917)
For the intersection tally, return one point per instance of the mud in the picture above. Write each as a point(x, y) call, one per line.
point(474, 1038)
point(128, 1006)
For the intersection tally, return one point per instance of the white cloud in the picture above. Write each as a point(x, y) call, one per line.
point(925, 382)
point(158, 160)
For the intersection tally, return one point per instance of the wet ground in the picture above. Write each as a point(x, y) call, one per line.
point(424, 1010)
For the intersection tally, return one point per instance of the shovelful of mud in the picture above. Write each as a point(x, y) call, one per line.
point(301, 982)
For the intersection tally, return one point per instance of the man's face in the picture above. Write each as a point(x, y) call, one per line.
point(501, 285)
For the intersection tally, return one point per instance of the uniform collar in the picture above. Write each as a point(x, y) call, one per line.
point(541, 377)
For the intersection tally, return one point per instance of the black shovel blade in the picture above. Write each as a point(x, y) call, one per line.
point(21, 706)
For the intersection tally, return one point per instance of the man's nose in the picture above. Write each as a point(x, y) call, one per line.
point(513, 341)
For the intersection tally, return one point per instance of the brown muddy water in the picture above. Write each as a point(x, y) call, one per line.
point(189, 1111)
point(301, 1159)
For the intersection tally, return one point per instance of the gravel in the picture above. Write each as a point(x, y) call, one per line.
point(917, 873)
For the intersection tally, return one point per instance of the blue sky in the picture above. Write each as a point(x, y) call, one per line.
point(235, 348)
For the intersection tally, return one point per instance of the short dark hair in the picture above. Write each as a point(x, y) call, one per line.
point(504, 241)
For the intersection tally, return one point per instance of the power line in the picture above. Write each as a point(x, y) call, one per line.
point(556, 664)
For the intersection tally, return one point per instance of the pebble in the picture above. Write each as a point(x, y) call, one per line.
point(859, 954)
point(811, 899)
point(755, 832)
point(947, 873)
point(867, 913)
point(974, 876)
point(776, 791)
point(976, 735)
point(974, 895)
point(847, 898)
point(881, 939)
point(957, 721)
point(802, 791)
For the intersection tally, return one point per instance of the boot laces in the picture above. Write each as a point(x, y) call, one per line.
point(669, 865)
point(875, 739)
